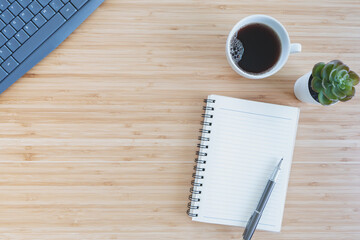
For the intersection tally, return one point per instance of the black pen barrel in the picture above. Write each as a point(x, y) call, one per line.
point(250, 229)
point(265, 196)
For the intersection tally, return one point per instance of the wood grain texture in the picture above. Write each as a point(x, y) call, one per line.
point(98, 140)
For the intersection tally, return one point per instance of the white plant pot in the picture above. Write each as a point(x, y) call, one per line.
point(301, 89)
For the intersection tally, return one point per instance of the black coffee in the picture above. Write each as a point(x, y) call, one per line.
point(262, 48)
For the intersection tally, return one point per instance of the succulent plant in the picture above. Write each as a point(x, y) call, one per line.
point(333, 82)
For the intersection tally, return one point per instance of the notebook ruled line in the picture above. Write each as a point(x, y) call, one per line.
point(258, 114)
point(271, 225)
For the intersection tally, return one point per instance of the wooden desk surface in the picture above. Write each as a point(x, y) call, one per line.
point(98, 140)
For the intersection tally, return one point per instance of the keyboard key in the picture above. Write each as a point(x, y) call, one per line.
point(2, 24)
point(24, 3)
point(10, 64)
point(39, 20)
point(68, 10)
point(6, 16)
point(3, 39)
point(21, 36)
point(3, 74)
point(47, 12)
point(8, 31)
point(15, 8)
point(4, 52)
point(17, 23)
point(4, 4)
point(35, 7)
point(30, 28)
point(78, 3)
point(26, 15)
point(56, 5)
point(39, 37)
point(44, 2)
point(13, 44)
point(65, 1)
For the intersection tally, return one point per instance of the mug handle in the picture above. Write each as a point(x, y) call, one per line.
point(295, 48)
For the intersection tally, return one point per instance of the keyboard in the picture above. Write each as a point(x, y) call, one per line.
point(31, 29)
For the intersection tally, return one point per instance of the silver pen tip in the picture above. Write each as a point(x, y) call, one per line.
point(279, 165)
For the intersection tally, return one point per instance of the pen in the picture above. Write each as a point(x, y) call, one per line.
point(255, 217)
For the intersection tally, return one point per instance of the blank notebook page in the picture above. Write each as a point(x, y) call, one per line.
point(247, 141)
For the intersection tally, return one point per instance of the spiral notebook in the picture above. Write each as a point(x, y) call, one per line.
point(242, 142)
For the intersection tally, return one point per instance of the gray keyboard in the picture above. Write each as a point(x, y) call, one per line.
point(31, 29)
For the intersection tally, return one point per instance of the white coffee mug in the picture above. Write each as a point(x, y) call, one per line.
point(286, 46)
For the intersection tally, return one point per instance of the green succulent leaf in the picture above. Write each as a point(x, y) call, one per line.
point(332, 75)
point(323, 99)
point(328, 92)
point(340, 94)
point(325, 72)
point(350, 96)
point(347, 98)
point(316, 71)
point(351, 93)
point(316, 84)
point(354, 78)
point(343, 67)
point(326, 83)
point(336, 63)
